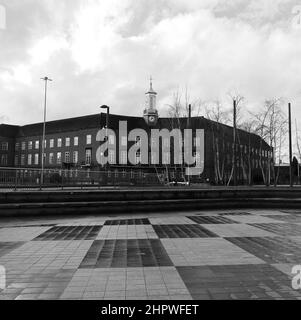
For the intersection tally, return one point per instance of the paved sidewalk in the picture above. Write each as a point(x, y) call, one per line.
point(230, 254)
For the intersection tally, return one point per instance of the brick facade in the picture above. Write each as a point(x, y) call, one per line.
point(25, 142)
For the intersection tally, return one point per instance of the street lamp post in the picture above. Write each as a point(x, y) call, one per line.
point(290, 144)
point(46, 79)
point(107, 121)
point(234, 144)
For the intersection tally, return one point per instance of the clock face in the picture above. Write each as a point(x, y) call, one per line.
point(152, 119)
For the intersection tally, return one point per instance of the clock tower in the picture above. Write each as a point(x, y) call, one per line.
point(150, 113)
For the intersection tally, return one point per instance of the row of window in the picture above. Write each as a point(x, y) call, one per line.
point(58, 158)
point(245, 149)
point(59, 143)
point(33, 159)
point(124, 157)
point(166, 142)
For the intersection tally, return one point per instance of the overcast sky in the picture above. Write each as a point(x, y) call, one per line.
point(103, 52)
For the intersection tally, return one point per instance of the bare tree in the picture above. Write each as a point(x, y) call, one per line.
point(271, 126)
point(239, 100)
point(248, 126)
point(215, 112)
point(179, 109)
point(218, 116)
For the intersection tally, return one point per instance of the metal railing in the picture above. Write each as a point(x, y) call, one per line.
point(27, 178)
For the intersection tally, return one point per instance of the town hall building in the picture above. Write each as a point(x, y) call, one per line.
point(71, 146)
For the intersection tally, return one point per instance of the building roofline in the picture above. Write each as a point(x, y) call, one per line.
point(94, 121)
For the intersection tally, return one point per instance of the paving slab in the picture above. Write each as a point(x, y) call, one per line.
point(220, 254)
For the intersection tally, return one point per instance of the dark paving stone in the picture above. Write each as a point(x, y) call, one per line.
point(70, 233)
point(126, 253)
point(183, 231)
point(211, 220)
point(127, 222)
point(290, 219)
point(235, 214)
point(7, 247)
point(283, 229)
point(236, 282)
point(270, 249)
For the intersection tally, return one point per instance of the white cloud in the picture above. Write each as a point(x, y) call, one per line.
point(44, 48)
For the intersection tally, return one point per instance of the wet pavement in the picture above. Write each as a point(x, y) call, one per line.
point(229, 254)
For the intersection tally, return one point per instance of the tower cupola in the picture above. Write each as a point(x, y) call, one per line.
point(150, 113)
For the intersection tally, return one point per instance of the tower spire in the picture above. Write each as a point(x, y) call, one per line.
point(150, 113)
point(151, 90)
point(151, 84)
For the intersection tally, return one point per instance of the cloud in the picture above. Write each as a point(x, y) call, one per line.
point(102, 52)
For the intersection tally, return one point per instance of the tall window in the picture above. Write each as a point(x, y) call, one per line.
point(153, 158)
point(4, 146)
point(23, 146)
point(75, 142)
point(197, 157)
point(51, 158)
point(59, 142)
point(166, 158)
point(138, 141)
point(36, 159)
point(67, 142)
point(111, 139)
point(75, 157)
point(111, 156)
point(17, 146)
point(67, 157)
point(51, 143)
point(124, 141)
point(88, 156)
point(153, 142)
point(37, 144)
point(4, 160)
point(89, 139)
point(138, 157)
point(23, 160)
point(29, 159)
point(59, 158)
point(124, 157)
point(29, 145)
point(166, 142)
point(16, 161)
